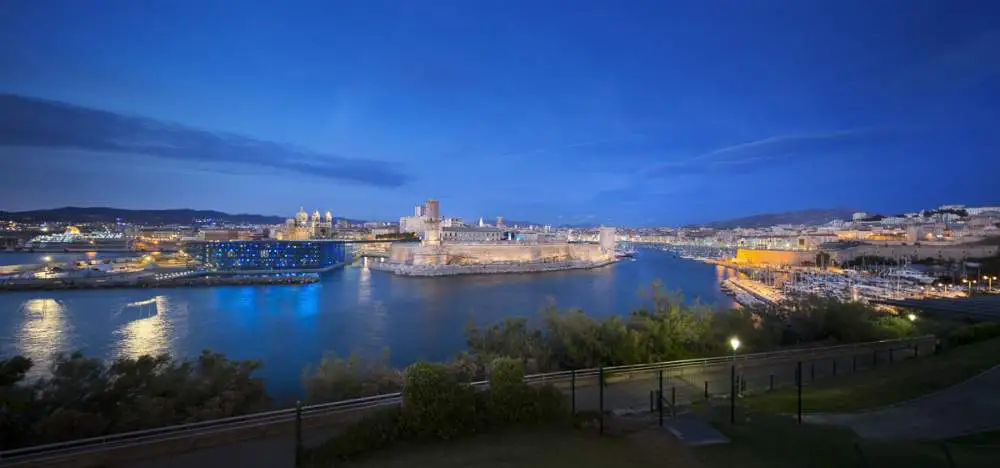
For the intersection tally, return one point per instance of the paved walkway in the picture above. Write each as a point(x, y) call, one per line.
point(971, 406)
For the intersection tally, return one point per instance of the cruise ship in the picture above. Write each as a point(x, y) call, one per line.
point(72, 240)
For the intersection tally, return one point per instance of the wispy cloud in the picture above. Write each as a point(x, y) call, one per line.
point(29, 122)
point(768, 151)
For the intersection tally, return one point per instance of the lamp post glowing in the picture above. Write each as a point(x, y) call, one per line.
point(734, 343)
point(989, 279)
point(912, 317)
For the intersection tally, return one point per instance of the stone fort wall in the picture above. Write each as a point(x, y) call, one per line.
point(475, 254)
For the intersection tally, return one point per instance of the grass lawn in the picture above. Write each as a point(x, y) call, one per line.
point(567, 448)
point(778, 441)
point(888, 384)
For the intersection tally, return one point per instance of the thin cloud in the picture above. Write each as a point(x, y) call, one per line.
point(768, 151)
point(29, 122)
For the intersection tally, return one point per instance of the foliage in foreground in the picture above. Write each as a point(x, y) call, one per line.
point(667, 329)
point(85, 397)
point(436, 406)
point(337, 378)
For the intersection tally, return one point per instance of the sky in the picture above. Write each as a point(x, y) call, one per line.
point(562, 112)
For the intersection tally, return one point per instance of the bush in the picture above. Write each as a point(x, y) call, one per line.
point(373, 432)
point(889, 327)
point(337, 378)
point(435, 404)
point(507, 389)
point(973, 333)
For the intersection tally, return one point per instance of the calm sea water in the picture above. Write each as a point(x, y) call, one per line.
point(350, 310)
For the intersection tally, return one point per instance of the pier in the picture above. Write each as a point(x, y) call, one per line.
point(159, 281)
point(748, 292)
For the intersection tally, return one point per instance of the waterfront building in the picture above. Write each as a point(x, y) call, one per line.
point(302, 227)
point(268, 255)
point(385, 231)
point(471, 234)
point(224, 234)
point(484, 249)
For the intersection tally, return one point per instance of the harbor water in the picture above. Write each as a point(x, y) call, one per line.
point(353, 309)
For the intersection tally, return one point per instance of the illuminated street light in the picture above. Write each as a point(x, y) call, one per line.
point(46, 259)
point(734, 342)
point(912, 317)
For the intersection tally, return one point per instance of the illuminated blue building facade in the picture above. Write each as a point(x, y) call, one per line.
point(268, 255)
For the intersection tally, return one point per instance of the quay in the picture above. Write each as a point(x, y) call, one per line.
point(749, 292)
point(180, 279)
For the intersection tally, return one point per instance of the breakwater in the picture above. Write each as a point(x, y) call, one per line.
point(404, 269)
point(145, 282)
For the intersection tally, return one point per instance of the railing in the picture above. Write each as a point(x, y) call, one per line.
point(65, 450)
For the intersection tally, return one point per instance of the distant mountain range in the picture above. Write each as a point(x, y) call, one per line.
point(807, 217)
point(74, 214)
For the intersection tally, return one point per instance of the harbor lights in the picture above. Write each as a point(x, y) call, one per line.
point(970, 283)
point(990, 280)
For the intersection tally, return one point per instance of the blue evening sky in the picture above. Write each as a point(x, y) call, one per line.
point(615, 112)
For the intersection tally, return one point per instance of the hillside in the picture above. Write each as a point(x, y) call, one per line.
point(75, 214)
point(807, 217)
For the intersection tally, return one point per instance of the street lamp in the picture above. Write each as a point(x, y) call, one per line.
point(734, 343)
point(46, 259)
point(912, 317)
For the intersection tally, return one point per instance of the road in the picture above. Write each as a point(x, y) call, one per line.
point(968, 407)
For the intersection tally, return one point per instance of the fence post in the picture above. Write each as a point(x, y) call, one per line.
point(659, 407)
point(659, 395)
point(651, 393)
point(798, 382)
point(572, 389)
point(732, 394)
point(600, 394)
point(298, 433)
point(673, 401)
point(706, 390)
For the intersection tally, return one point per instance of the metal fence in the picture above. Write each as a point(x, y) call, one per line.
point(599, 389)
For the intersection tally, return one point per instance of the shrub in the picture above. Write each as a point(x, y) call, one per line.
point(337, 378)
point(373, 432)
point(507, 389)
point(973, 334)
point(891, 327)
point(435, 404)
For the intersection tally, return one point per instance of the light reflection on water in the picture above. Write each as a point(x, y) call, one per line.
point(44, 331)
point(148, 328)
point(350, 310)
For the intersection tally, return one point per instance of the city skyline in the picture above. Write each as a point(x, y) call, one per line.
point(579, 113)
